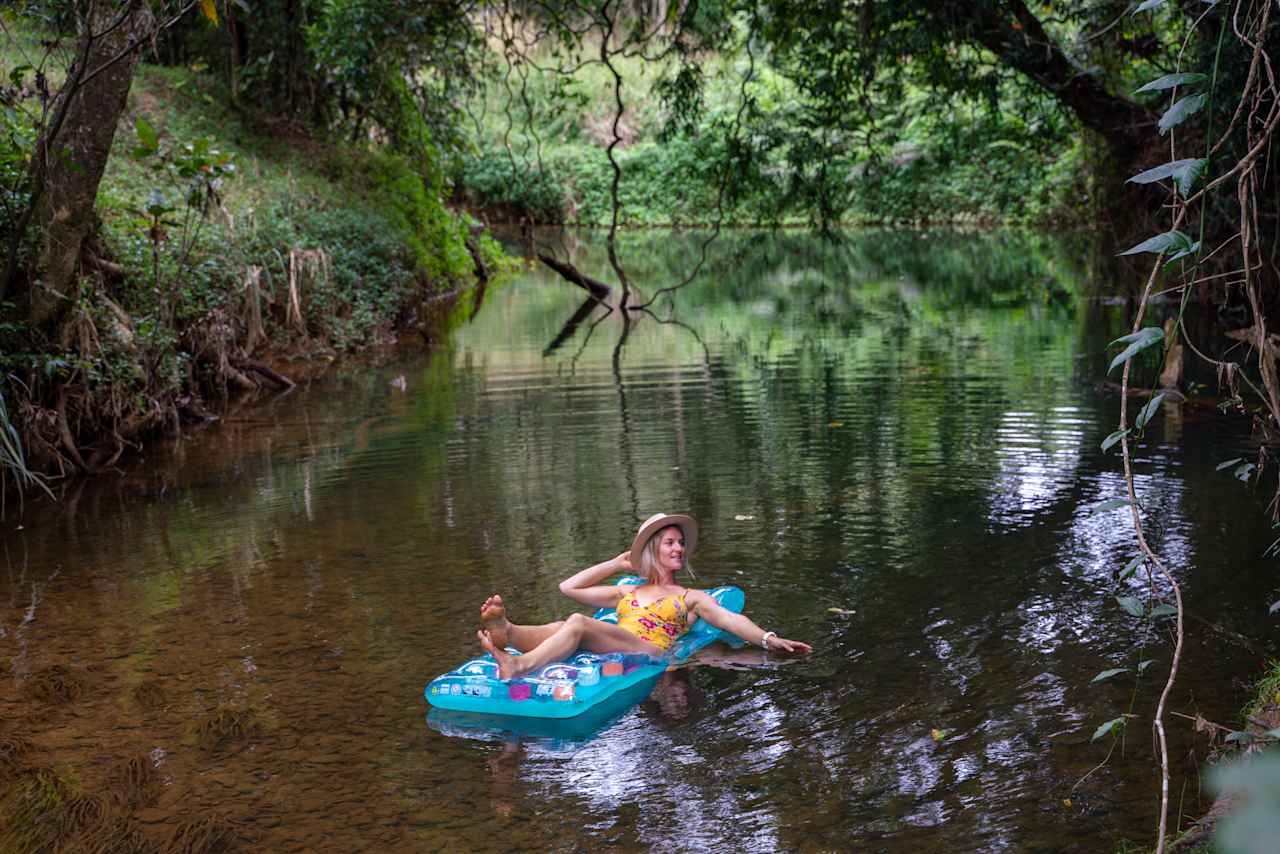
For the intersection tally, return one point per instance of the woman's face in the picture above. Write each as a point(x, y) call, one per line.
point(671, 549)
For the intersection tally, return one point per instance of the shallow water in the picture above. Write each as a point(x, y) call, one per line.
point(904, 426)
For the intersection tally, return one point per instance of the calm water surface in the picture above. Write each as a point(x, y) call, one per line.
point(904, 426)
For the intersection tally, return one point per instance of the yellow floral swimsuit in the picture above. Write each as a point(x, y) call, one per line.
point(660, 622)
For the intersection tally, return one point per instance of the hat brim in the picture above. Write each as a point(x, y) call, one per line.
point(654, 524)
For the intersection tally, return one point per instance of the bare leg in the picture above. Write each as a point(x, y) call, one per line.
point(576, 632)
point(504, 633)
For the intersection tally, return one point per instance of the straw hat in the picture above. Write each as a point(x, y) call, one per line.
point(656, 523)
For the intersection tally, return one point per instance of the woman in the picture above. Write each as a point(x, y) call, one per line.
point(651, 616)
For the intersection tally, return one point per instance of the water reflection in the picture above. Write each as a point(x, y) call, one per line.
point(898, 425)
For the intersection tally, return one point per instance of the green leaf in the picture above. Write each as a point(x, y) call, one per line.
point(1138, 341)
point(1114, 723)
point(1131, 605)
point(1143, 665)
point(1188, 176)
point(1273, 733)
point(1148, 4)
point(1144, 414)
point(1109, 505)
point(147, 134)
point(1170, 80)
point(1184, 109)
point(1193, 248)
point(1241, 737)
point(1111, 440)
point(1183, 172)
point(1229, 463)
point(1244, 472)
point(1131, 567)
point(1159, 173)
point(1169, 241)
point(1164, 610)
point(1107, 674)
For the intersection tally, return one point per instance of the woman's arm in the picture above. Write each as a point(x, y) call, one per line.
point(710, 610)
point(585, 586)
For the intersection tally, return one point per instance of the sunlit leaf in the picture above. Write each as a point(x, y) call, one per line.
point(1131, 567)
point(147, 135)
point(1273, 733)
point(1109, 505)
point(1107, 674)
point(1161, 172)
point(1184, 109)
point(1164, 610)
point(1170, 80)
point(1244, 472)
point(1145, 414)
point(1241, 736)
point(1111, 440)
point(1131, 605)
point(1275, 606)
point(1169, 241)
point(1143, 665)
point(1113, 724)
point(210, 10)
point(1229, 463)
point(1138, 341)
point(1148, 4)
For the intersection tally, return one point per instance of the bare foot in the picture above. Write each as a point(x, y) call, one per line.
point(508, 667)
point(493, 615)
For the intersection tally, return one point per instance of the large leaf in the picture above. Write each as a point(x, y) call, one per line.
point(1131, 567)
point(1170, 80)
point(1131, 605)
point(147, 135)
point(1275, 606)
point(1183, 172)
point(1143, 665)
point(1170, 241)
point(210, 10)
point(1229, 463)
point(1109, 505)
point(1146, 412)
point(1164, 610)
point(1138, 341)
point(1110, 441)
point(1107, 674)
point(1114, 723)
point(1148, 4)
point(1182, 110)
point(1241, 737)
point(1182, 253)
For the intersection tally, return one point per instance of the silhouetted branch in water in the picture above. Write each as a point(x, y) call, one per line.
point(671, 321)
point(571, 325)
point(598, 289)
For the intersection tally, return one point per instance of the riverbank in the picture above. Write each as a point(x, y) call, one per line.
point(234, 251)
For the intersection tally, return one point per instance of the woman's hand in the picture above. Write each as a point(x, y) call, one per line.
point(623, 562)
point(777, 644)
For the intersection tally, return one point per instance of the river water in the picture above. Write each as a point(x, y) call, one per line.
point(904, 426)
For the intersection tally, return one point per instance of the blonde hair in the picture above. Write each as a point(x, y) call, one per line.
point(649, 556)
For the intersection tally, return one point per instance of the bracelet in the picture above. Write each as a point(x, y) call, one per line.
point(764, 641)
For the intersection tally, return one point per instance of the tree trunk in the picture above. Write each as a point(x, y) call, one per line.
point(76, 149)
point(1020, 41)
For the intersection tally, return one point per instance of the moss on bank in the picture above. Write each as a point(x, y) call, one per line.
point(228, 242)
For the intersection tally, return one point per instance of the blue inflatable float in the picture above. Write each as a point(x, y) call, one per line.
point(569, 688)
